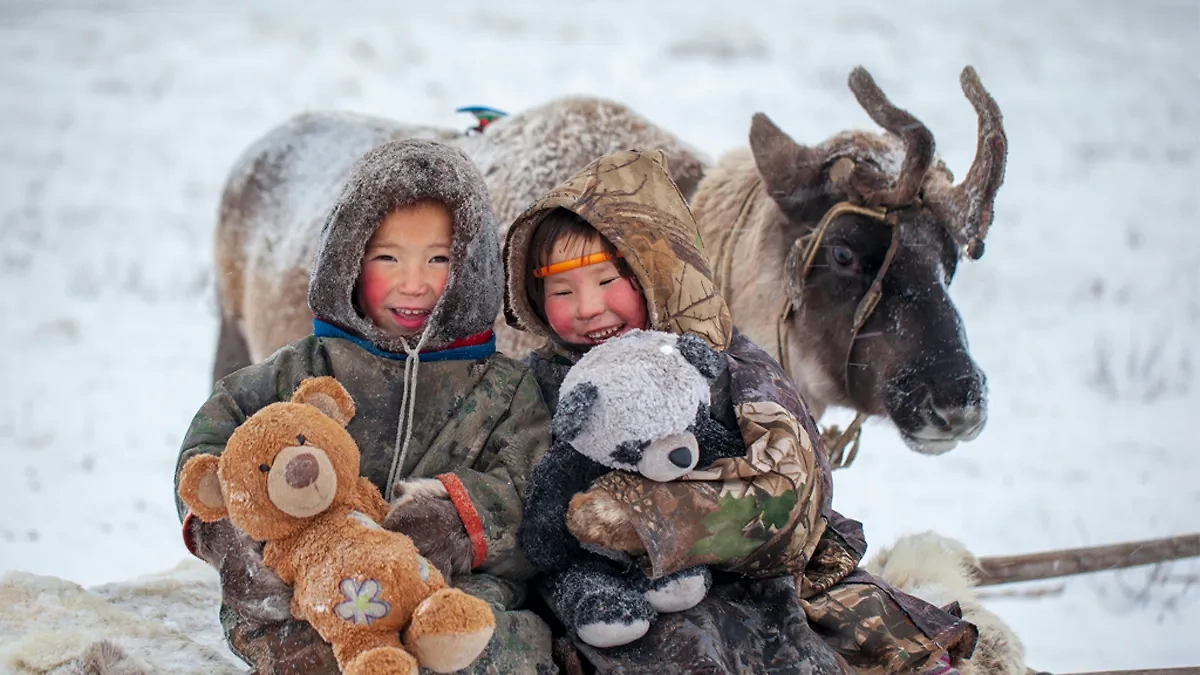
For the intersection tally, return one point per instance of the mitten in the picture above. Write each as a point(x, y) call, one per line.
point(421, 508)
point(248, 587)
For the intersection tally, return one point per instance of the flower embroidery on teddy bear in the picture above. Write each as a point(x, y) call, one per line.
point(363, 604)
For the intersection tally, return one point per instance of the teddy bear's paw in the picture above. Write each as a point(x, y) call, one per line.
point(382, 660)
point(680, 591)
point(449, 630)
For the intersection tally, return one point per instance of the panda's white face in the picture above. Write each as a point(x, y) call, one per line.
point(635, 401)
point(665, 455)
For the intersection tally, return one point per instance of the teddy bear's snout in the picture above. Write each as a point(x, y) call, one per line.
point(302, 471)
point(302, 482)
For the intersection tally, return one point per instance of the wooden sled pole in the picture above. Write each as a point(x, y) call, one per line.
point(1065, 562)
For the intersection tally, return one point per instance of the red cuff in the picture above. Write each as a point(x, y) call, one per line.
point(468, 515)
point(188, 540)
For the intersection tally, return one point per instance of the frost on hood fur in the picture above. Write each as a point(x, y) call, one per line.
point(390, 176)
point(630, 199)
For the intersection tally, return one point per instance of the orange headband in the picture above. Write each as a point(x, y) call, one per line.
point(574, 263)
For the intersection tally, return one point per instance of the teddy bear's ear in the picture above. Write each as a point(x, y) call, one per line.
point(699, 354)
point(573, 409)
point(327, 395)
point(200, 488)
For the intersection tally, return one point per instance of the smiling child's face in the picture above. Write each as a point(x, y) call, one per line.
point(405, 268)
point(590, 304)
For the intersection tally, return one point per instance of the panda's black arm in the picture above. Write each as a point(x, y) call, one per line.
point(715, 440)
point(559, 475)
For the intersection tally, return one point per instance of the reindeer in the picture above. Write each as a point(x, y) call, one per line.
point(836, 257)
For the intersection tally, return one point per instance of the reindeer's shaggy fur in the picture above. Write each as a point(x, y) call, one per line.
point(941, 570)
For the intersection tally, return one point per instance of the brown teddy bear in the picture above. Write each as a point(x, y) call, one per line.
point(289, 477)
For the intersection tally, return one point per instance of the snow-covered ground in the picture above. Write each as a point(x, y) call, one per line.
point(118, 121)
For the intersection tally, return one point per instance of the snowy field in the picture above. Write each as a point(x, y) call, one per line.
point(118, 121)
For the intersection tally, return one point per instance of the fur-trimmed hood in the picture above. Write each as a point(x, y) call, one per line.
point(630, 199)
point(390, 176)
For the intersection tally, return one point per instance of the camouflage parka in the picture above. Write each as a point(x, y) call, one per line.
point(478, 419)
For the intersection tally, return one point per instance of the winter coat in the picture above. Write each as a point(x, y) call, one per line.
point(478, 417)
point(789, 576)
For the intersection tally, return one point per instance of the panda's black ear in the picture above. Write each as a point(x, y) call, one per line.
point(699, 354)
point(573, 409)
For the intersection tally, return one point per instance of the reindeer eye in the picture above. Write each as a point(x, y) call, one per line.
point(264, 468)
point(841, 256)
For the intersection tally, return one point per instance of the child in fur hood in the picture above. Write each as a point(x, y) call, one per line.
point(406, 283)
point(613, 249)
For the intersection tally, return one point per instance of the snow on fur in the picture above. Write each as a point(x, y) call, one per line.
point(396, 174)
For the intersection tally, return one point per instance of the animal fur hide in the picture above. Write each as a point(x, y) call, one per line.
point(941, 570)
point(167, 623)
point(163, 623)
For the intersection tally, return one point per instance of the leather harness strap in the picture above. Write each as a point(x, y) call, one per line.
point(804, 251)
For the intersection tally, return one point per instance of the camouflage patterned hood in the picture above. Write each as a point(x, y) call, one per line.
point(630, 198)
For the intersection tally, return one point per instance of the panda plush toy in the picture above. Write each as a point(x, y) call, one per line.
point(637, 403)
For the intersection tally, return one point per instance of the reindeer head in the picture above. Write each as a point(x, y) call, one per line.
point(876, 227)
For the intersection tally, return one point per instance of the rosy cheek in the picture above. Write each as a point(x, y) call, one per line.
point(558, 315)
point(373, 288)
point(439, 281)
point(626, 301)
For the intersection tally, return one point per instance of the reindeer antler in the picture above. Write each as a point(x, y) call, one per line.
point(918, 142)
point(967, 207)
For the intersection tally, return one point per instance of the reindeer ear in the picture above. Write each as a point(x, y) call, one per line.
point(327, 395)
point(200, 488)
point(699, 354)
point(789, 170)
point(573, 409)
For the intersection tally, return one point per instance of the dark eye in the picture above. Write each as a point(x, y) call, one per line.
point(264, 468)
point(841, 256)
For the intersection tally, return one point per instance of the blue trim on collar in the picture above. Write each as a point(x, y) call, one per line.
point(474, 352)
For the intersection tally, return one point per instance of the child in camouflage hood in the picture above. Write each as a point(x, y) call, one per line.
point(613, 249)
point(405, 286)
